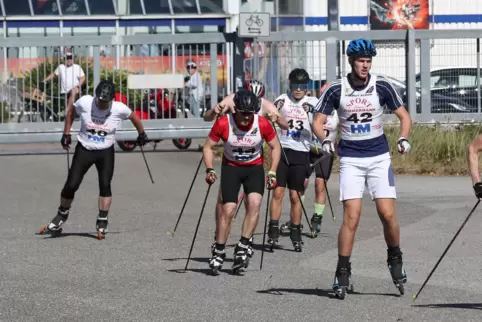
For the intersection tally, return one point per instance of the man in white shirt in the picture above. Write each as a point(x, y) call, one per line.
point(194, 84)
point(71, 76)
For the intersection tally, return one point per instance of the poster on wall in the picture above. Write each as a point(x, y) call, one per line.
point(399, 14)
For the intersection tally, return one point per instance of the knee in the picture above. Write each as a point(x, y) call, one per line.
point(278, 194)
point(388, 217)
point(69, 190)
point(228, 210)
point(320, 186)
point(351, 221)
point(104, 189)
point(254, 206)
point(294, 198)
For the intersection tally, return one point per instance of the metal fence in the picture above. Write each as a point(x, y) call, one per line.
point(437, 73)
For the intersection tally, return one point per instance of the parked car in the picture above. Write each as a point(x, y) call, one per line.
point(455, 82)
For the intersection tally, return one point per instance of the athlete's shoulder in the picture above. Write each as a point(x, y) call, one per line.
point(223, 120)
point(118, 105)
point(311, 100)
point(332, 88)
point(84, 103)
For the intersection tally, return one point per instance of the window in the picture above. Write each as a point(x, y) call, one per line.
point(157, 7)
point(184, 6)
point(211, 6)
point(135, 7)
point(101, 7)
point(16, 7)
point(467, 80)
point(72, 7)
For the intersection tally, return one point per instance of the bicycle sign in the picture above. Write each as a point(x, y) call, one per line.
point(257, 24)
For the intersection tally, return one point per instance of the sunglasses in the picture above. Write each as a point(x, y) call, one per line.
point(298, 86)
point(246, 113)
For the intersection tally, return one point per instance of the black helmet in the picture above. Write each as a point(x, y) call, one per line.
point(299, 76)
point(246, 101)
point(105, 90)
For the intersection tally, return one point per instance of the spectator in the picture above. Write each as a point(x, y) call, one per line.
point(71, 76)
point(195, 88)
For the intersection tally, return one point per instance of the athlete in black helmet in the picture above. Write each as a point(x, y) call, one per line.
point(99, 118)
point(243, 134)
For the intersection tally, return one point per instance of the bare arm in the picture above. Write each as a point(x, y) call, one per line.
point(405, 121)
point(208, 153)
point(318, 125)
point(269, 110)
point(275, 154)
point(52, 75)
point(136, 121)
point(473, 158)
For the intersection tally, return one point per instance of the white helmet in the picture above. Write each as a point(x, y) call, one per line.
point(256, 87)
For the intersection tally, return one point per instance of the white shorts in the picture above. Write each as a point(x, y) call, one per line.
point(375, 173)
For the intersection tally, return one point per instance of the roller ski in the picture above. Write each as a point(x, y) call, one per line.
point(273, 235)
point(101, 226)
point(397, 271)
point(295, 236)
point(316, 225)
point(217, 260)
point(285, 228)
point(241, 258)
point(54, 228)
point(342, 284)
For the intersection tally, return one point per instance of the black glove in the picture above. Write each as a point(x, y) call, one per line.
point(66, 140)
point(478, 190)
point(187, 78)
point(142, 138)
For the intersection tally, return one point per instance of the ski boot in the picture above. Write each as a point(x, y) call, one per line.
point(217, 260)
point(250, 248)
point(273, 235)
point(397, 271)
point(342, 283)
point(316, 225)
point(295, 236)
point(101, 226)
point(286, 227)
point(241, 258)
point(54, 228)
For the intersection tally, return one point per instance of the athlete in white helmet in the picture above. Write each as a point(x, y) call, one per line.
point(295, 143)
point(364, 155)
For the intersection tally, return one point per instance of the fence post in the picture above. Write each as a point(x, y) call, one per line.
point(331, 58)
point(410, 72)
point(96, 54)
point(425, 86)
point(214, 74)
point(238, 61)
point(478, 76)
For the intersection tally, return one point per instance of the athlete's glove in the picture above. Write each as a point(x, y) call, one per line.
point(403, 145)
point(478, 190)
point(210, 176)
point(328, 146)
point(308, 107)
point(66, 141)
point(279, 103)
point(142, 138)
point(271, 181)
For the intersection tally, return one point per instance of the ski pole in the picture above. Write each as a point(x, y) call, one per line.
point(147, 165)
point(446, 250)
point(188, 194)
point(264, 235)
point(197, 226)
point(240, 202)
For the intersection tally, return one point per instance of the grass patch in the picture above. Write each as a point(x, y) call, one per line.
point(436, 149)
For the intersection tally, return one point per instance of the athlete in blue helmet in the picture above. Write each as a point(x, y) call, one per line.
point(360, 99)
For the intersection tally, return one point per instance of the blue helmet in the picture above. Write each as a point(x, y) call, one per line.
point(361, 47)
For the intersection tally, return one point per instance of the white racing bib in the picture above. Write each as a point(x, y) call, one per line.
point(98, 127)
point(299, 135)
point(243, 146)
point(360, 113)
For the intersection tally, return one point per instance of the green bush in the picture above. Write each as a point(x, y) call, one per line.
point(52, 88)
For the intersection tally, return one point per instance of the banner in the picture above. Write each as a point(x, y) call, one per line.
point(399, 14)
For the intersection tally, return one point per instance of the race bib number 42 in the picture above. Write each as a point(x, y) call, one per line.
point(361, 123)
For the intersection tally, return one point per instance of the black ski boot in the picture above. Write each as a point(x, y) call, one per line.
point(250, 248)
point(273, 234)
point(342, 283)
point(217, 259)
point(397, 271)
point(316, 225)
point(54, 228)
point(286, 227)
point(241, 258)
point(101, 225)
point(295, 235)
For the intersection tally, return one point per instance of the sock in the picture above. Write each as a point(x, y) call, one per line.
point(274, 222)
point(103, 213)
point(220, 246)
point(319, 209)
point(244, 241)
point(394, 251)
point(343, 261)
point(302, 198)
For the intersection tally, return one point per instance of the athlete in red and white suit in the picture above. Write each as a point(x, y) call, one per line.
point(243, 134)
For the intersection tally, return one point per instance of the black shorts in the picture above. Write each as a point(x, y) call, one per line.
point(323, 168)
point(291, 173)
point(232, 178)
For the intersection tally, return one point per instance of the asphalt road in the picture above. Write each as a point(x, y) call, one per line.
point(136, 274)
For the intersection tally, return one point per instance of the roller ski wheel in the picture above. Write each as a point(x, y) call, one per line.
point(298, 246)
point(217, 260)
point(341, 292)
point(101, 235)
point(44, 230)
